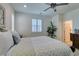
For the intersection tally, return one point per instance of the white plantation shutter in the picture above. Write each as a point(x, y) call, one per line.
point(36, 25)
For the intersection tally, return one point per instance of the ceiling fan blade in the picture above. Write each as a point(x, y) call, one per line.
point(62, 4)
point(47, 9)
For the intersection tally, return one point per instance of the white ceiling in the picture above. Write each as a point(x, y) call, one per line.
point(37, 8)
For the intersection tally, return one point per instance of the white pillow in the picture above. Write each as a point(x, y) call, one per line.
point(6, 42)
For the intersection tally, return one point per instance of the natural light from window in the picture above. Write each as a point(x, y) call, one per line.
point(36, 25)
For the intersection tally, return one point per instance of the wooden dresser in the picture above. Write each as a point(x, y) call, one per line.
point(75, 39)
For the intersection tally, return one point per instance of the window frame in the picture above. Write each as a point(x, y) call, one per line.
point(37, 26)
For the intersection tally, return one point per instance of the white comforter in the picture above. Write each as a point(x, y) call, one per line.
point(40, 46)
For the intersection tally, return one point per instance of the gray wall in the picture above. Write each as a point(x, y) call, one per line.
point(8, 12)
point(23, 24)
point(58, 22)
point(74, 17)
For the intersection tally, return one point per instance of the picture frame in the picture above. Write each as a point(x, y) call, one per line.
point(1, 16)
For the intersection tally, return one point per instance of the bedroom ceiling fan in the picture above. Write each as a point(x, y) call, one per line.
point(54, 5)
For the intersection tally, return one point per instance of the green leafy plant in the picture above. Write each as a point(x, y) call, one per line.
point(51, 29)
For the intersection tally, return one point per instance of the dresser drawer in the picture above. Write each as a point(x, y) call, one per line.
point(75, 39)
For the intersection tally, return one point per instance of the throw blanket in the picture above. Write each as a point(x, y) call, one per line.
point(40, 46)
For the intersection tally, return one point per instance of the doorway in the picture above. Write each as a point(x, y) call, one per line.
point(67, 31)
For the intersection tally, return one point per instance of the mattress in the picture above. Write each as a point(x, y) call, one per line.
point(40, 46)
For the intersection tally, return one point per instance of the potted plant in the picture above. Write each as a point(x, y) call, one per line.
point(51, 29)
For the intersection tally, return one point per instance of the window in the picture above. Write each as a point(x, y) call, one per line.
point(36, 25)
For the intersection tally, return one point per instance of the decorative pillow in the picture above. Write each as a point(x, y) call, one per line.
point(6, 42)
point(16, 37)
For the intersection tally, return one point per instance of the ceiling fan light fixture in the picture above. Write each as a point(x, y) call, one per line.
point(54, 5)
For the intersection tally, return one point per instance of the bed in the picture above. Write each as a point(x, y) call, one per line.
point(40, 46)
